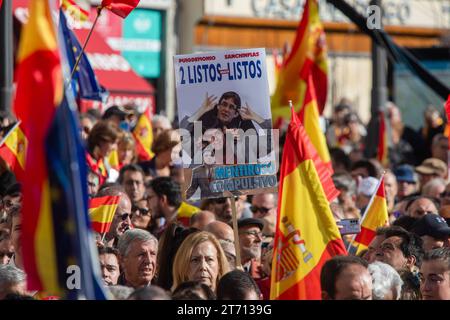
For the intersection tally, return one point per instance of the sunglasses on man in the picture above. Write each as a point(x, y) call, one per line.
point(256, 209)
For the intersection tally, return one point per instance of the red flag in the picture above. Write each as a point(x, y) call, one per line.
point(143, 134)
point(13, 150)
point(102, 212)
point(120, 7)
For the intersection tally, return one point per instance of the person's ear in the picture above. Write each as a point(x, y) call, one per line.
point(411, 261)
point(163, 199)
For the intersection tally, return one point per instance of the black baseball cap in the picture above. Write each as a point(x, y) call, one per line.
point(115, 111)
point(251, 222)
point(432, 225)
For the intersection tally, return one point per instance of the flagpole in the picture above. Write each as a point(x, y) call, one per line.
point(99, 10)
point(236, 235)
point(367, 208)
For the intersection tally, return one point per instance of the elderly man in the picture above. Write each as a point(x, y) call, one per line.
point(122, 220)
point(434, 188)
point(12, 281)
point(386, 282)
point(401, 249)
point(224, 233)
point(137, 251)
point(6, 247)
point(346, 278)
point(431, 168)
point(250, 241)
point(202, 219)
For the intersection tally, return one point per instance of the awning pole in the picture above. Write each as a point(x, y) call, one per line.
point(99, 10)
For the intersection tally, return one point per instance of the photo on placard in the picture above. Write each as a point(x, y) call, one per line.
point(225, 124)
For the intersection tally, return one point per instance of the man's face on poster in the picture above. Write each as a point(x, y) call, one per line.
point(227, 110)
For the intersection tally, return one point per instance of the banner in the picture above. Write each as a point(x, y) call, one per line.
point(225, 123)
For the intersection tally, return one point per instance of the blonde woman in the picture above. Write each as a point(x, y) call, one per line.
point(200, 258)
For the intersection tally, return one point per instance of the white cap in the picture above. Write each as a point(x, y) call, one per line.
point(368, 186)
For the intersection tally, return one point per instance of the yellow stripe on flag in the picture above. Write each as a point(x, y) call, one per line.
point(46, 260)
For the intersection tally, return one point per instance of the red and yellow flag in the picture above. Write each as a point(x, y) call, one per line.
point(308, 56)
point(307, 234)
point(39, 92)
point(74, 10)
point(13, 150)
point(101, 211)
point(122, 8)
point(143, 134)
point(382, 151)
point(376, 216)
point(185, 212)
point(309, 116)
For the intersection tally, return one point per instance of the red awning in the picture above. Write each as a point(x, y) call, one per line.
point(112, 70)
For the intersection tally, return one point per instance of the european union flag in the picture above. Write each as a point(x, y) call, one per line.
point(84, 82)
point(75, 247)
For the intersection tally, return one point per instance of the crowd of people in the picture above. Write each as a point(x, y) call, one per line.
point(160, 246)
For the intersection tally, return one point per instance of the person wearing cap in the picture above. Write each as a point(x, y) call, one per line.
point(434, 231)
point(431, 168)
point(116, 115)
point(406, 181)
point(366, 188)
point(250, 241)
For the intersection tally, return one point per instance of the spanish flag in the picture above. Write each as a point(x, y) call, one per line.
point(13, 150)
point(102, 211)
point(39, 92)
point(308, 55)
point(143, 134)
point(74, 10)
point(309, 116)
point(376, 216)
point(307, 234)
point(382, 150)
point(56, 232)
point(185, 212)
point(122, 8)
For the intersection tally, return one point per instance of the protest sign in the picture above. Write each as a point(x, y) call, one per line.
point(225, 123)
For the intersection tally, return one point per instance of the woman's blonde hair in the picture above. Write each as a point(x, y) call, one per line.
point(184, 253)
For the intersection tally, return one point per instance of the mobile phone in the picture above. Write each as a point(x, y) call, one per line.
point(349, 226)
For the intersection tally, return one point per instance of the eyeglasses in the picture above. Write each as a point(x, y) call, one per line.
point(142, 211)
point(223, 200)
point(263, 210)
point(228, 105)
point(445, 194)
point(124, 216)
point(256, 234)
point(8, 254)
